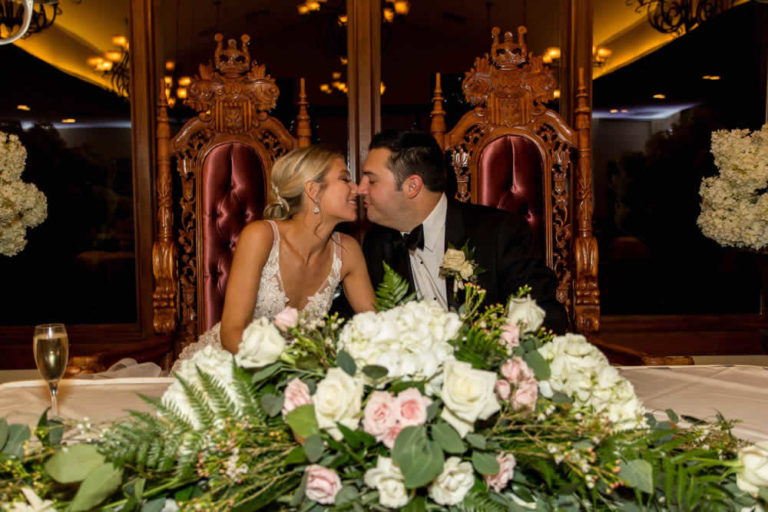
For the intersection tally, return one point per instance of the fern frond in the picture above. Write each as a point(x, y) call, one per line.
point(198, 402)
point(218, 396)
point(392, 291)
point(247, 395)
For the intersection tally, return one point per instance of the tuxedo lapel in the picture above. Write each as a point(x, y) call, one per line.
point(455, 236)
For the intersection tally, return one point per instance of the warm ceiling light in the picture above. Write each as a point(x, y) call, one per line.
point(170, 65)
point(342, 19)
point(382, 88)
point(184, 81)
point(69, 120)
point(556, 94)
point(402, 7)
point(659, 97)
point(614, 111)
point(120, 41)
point(181, 92)
point(23, 107)
point(113, 55)
point(711, 77)
point(389, 14)
point(553, 52)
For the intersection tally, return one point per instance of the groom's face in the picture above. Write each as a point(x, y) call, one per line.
point(385, 202)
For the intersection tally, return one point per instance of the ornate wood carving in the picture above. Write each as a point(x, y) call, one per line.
point(585, 246)
point(509, 88)
point(232, 97)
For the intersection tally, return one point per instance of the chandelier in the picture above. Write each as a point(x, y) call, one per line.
point(115, 64)
point(26, 17)
point(680, 16)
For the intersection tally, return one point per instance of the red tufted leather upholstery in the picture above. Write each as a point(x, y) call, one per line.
point(510, 178)
point(234, 191)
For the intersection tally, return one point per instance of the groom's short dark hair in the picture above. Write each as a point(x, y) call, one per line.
point(413, 152)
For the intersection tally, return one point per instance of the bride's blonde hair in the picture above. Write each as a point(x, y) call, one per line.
point(289, 174)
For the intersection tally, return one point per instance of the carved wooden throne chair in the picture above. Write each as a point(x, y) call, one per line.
point(223, 156)
point(513, 153)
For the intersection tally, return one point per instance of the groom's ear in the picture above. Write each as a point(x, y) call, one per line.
point(412, 185)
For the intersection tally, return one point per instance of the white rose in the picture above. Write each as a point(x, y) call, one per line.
point(387, 478)
point(262, 344)
point(450, 487)
point(466, 270)
point(525, 313)
point(338, 400)
point(468, 394)
point(453, 259)
point(754, 472)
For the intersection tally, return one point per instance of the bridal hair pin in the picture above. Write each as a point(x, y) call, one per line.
point(280, 200)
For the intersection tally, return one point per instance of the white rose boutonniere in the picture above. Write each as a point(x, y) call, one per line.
point(458, 264)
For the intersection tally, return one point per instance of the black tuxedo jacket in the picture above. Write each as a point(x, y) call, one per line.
point(503, 245)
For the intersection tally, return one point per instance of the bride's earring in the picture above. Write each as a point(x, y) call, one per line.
point(317, 207)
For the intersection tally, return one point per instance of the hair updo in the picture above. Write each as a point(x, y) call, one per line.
point(289, 174)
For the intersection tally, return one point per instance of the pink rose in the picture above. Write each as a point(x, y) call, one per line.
point(380, 414)
point(286, 319)
point(506, 470)
point(323, 484)
point(516, 370)
point(525, 395)
point(412, 407)
point(510, 335)
point(296, 394)
point(391, 436)
point(503, 389)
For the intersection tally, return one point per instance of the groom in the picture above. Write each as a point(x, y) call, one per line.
point(403, 188)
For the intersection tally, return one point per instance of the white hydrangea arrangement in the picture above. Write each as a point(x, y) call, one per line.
point(22, 205)
point(734, 203)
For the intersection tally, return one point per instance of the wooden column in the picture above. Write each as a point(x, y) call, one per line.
point(364, 77)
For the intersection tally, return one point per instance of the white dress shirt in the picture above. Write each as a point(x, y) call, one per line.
point(425, 263)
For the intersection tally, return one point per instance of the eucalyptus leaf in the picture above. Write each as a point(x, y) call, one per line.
point(100, 483)
point(485, 463)
point(272, 404)
point(448, 439)
point(302, 421)
point(314, 447)
point(14, 446)
point(375, 372)
point(638, 473)
point(476, 440)
point(538, 364)
point(346, 363)
point(74, 463)
point(419, 458)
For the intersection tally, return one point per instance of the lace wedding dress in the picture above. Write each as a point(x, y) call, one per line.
point(271, 298)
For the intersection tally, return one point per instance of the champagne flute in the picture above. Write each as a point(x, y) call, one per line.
point(51, 347)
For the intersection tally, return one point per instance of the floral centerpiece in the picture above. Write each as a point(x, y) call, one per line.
point(409, 408)
point(22, 205)
point(734, 204)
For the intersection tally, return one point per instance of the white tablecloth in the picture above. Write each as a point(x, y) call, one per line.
point(738, 392)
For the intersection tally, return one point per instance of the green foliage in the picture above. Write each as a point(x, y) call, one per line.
point(392, 291)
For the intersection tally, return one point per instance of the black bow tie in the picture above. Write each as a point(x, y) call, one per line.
point(414, 239)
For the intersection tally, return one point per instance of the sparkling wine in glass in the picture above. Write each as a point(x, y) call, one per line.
point(51, 346)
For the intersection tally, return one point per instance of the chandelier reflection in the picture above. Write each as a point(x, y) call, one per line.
point(680, 16)
point(12, 12)
point(115, 65)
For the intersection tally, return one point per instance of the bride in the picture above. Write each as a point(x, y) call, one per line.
point(294, 257)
